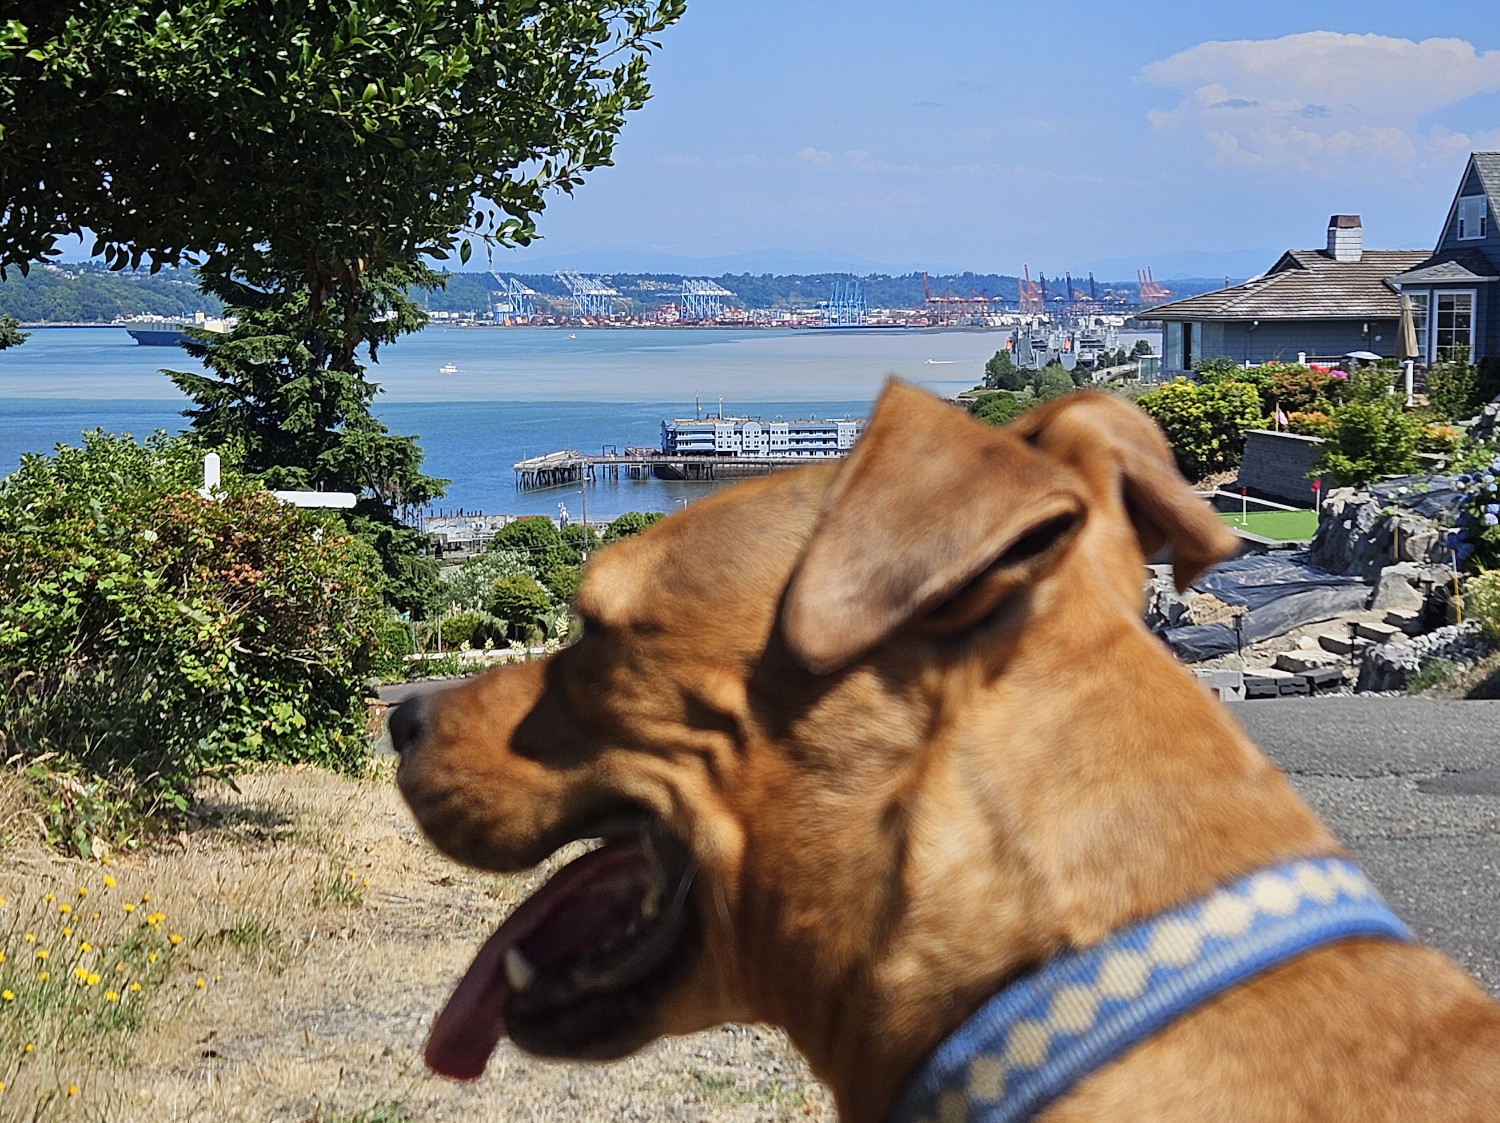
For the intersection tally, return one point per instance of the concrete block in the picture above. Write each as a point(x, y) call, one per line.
point(1409, 622)
point(1299, 661)
point(1261, 686)
point(1338, 642)
point(1228, 684)
point(1324, 678)
point(1379, 633)
point(1294, 684)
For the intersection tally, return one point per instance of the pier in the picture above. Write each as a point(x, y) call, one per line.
point(570, 468)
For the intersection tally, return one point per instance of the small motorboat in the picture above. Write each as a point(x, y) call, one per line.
point(940, 362)
point(448, 368)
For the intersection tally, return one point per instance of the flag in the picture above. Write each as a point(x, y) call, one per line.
point(1281, 418)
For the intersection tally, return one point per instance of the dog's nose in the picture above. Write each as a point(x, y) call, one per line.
point(407, 724)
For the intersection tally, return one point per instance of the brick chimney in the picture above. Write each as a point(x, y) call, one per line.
point(1345, 237)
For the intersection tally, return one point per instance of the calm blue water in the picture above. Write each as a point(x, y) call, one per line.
point(519, 392)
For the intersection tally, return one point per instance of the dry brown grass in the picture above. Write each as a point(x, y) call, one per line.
point(319, 986)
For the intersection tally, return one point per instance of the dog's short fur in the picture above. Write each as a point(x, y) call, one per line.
point(905, 715)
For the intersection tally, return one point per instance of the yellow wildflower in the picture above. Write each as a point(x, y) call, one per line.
point(30, 939)
point(2, 902)
point(30, 1048)
point(8, 994)
point(135, 988)
point(119, 967)
point(2, 957)
point(175, 938)
point(85, 947)
point(94, 916)
point(200, 983)
point(93, 979)
point(65, 908)
point(67, 931)
point(49, 898)
point(128, 907)
point(72, 1089)
point(80, 972)
point(42, 953)
point(111, 996)
point(145, 898)
point(82, 892)
point(43, 976)
point(109, 882)
point(151, 958)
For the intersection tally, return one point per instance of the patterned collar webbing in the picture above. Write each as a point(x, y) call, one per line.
point(1044, 1033)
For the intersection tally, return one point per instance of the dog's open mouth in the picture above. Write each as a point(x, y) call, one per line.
point(580, 962)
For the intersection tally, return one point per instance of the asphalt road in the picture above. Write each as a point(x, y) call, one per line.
point(1412, 788)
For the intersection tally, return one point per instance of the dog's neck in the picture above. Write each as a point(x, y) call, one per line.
point(1137, 800)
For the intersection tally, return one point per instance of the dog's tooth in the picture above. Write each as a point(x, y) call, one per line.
point(518, 972)
point(651, 902)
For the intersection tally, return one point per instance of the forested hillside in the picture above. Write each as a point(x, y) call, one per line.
point(93, 294)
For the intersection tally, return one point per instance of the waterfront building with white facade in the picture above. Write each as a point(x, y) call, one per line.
point(753, 437)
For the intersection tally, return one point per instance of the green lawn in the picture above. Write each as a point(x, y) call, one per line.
point(1284, 526)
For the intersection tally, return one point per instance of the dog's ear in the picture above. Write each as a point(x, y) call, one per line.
point(1117, 446)
point(932, 521)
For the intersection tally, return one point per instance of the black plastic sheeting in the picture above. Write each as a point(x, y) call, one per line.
point(1433, 497)
point(1279, 592)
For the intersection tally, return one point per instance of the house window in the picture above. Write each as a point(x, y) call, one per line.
point(1454, 325)
point(1472, 217)
point(1419, 302)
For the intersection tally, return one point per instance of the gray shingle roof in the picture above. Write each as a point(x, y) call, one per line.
point(1451, 265)
point(1305, 285)
point(1487, 164)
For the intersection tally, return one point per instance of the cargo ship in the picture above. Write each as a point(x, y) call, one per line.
point(169, 333)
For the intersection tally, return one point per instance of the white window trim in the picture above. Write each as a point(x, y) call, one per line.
point(1432, 319)
point(1465, 230)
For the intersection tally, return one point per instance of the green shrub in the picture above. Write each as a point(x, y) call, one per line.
point(1052, 381)
point(631, 523)
point(1371, 437)
point(562, 582)
point(538, 539)
point(393, 643)
point(150, 634)
point(997, 409)
point(467, 587)
point(1452, 390)
point(463, 629)
point(519, 602)
point(1482, 601)
point(1204, 423)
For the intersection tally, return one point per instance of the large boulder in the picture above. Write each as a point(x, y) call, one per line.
point(1364, 532)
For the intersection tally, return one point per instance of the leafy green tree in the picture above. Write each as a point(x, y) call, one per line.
point(319, 141)
point(11, 334)
point(519, 602)
point(631, 523)
point(467, 587)
point(1001, 373)
point(562, 582)
point(1142, 347)
point(1205, 423)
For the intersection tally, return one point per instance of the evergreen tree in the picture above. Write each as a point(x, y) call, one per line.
point(1001, 373)
point(10, 333)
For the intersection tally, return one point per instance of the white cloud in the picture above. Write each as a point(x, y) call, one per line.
point(1322, 100)
point(815, 156)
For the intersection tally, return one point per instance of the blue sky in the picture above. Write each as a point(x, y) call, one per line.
point(1201, 138)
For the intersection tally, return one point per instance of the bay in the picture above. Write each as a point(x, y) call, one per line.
point(518, 392)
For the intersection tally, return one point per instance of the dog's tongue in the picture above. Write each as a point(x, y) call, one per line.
point(584, 903)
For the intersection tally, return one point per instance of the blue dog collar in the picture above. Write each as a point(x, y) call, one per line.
point(1041, 1035)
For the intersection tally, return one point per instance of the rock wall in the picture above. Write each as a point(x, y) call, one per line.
point(1276, 465)
point(1362, 533)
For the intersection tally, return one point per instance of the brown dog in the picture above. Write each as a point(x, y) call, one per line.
point(868, 741)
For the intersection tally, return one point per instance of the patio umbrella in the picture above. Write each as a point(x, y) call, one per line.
point(1406, 345)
